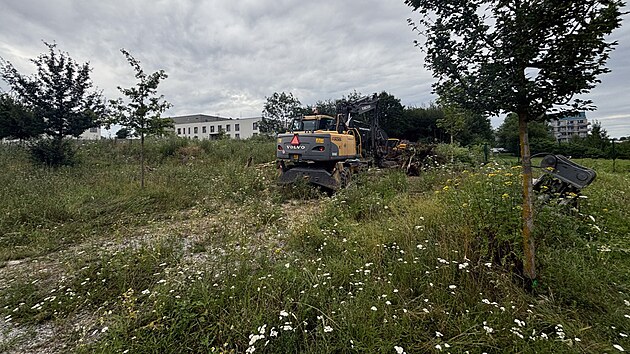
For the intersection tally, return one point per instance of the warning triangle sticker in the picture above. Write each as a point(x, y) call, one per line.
point(295, 140)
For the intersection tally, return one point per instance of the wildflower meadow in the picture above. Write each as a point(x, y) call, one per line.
point(213, 257)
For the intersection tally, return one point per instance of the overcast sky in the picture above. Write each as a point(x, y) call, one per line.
point(224, 57)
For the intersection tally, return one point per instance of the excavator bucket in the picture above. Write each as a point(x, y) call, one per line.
point(568, 171)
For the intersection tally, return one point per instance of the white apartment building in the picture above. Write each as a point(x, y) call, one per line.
point(201, 126)
point(91, 134)
point(565, 128)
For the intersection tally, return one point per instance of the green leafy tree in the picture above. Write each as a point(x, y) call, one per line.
point(420, 124)
point(18, 121)
point(391, 114)
point(478, 130)
point(60, 94)
point(540, 136)
point(353, 96)
point(328, 106)
point(465, 126)
point(278, 111)
point(141, 111)
point(453, 121)
point(598, 137)
point(622, 149)
point(523, 56)
point(124, 133)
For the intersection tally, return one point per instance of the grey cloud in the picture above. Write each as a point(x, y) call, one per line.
point(226, 56)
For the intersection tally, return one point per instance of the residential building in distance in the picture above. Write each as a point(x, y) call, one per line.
point(91, 134)
point(203, 127)
point(566, 128)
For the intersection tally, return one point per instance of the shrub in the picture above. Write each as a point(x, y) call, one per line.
point(53, 152)
point(171, 147)
point(459, 154)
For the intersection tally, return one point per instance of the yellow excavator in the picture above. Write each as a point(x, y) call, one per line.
point(326, 151)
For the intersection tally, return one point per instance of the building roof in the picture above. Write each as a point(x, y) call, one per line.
point(196, 118)
point(578, 115)
point(202, 118)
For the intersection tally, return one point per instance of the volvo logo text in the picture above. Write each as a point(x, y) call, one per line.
point(294, 147)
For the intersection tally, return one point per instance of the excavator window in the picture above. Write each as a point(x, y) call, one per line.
point(392, 143)
point(314, 124)
point(309, 125)
point(295, 125)
point(327, 124)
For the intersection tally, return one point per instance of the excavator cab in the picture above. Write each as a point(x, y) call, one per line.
point(314, 123)
point(392, 143)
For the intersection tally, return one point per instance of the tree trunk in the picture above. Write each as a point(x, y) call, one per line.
point(142, 161)
point(452, 150)
point(529, 251)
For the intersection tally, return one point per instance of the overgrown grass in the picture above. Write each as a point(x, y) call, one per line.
point(213, 257)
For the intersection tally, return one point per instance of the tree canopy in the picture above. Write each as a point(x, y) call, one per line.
point(124, 133)
point(60, 93)
point(18, 121)
point(420, 124)
point(465, 126)
point(598, 137)
point(525, 56)
point(278, 111)
point(391, 114)
point(410, 123)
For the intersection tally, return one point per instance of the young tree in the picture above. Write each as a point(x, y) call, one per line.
point(453, 121)
point(523, 56)
point(17, 121)
point(60, 94)
point(142, 111)
point(278, 111)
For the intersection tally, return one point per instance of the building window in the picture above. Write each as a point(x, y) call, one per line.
point(196, 130)
point(237, 127)
point(188, 130)
point(212, 129)
point(237, 136)
point(179, 131)
point(255, 126)
point(94, 130)
point(203, 129)
point(227, 127)
point(220, 128)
